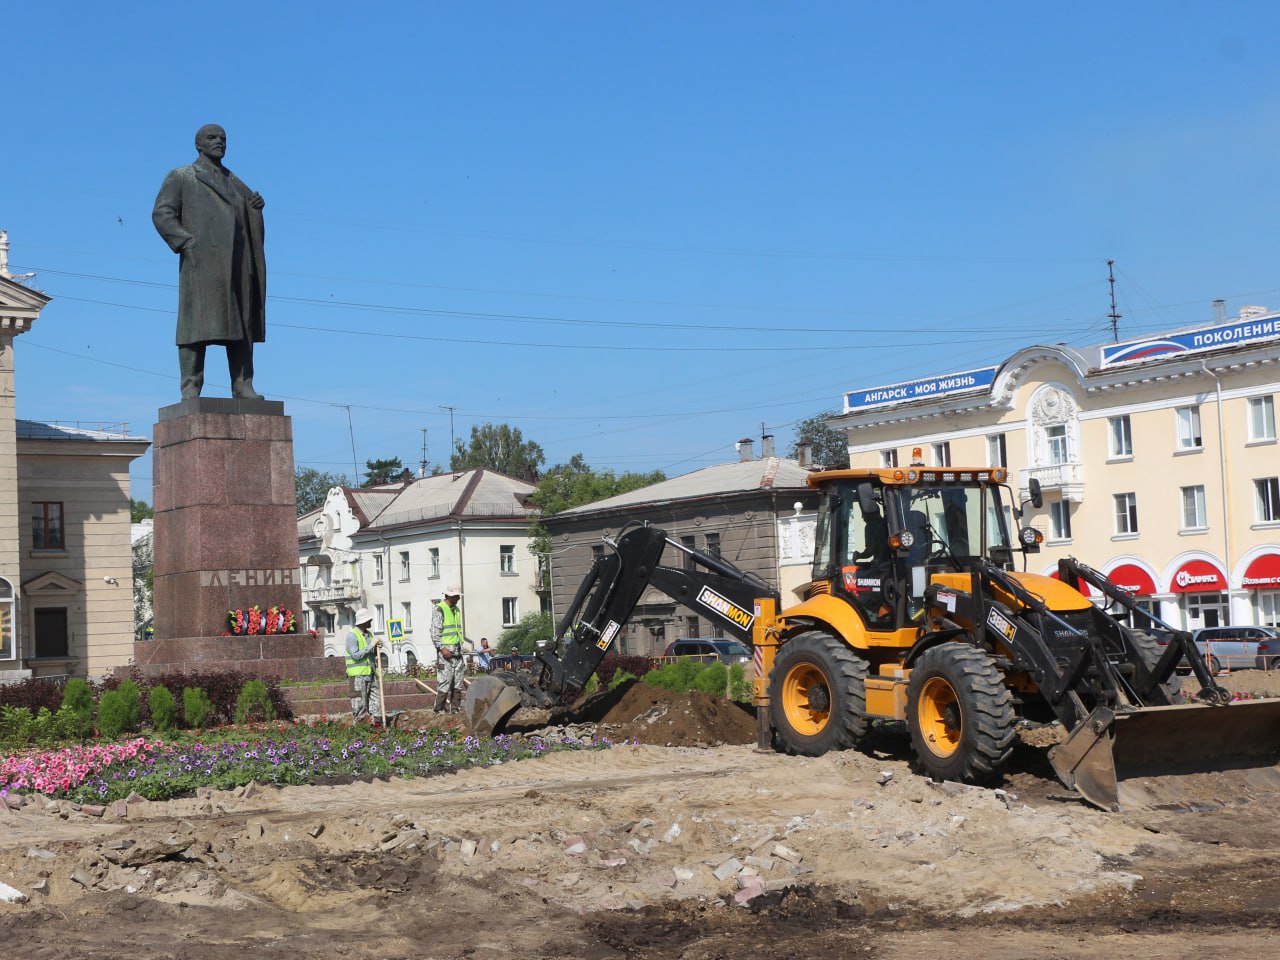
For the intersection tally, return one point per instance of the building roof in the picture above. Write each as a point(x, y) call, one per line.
point(78, 430)
point(470, 495)
point(744, 476)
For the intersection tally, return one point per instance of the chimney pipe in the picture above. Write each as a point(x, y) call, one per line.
point(1220, 310)
point(744, 450)
point(804, 453)
point(766, 446)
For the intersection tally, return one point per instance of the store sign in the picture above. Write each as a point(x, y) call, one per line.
point(1253, 330)
point(1198, 576)
point(1263, 573)
point(1133, 579)
point(919, 389)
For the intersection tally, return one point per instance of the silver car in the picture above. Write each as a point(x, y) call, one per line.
point(1235, 648)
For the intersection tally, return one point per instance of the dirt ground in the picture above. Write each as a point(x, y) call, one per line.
point(644, 851)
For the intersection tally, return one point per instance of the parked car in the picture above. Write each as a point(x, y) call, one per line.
point(726, 651)
point(1269, 650)
point(1235, 648)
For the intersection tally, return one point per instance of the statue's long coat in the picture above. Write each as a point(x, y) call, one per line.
point(222, 280)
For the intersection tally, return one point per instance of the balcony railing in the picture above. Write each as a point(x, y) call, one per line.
point(339, 591)
point(1067, 479)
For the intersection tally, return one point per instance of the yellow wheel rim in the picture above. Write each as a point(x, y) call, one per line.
point(806, 699)
point(939, 716)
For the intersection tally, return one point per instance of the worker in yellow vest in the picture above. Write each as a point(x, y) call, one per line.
point(446, 634)
point(362, 647)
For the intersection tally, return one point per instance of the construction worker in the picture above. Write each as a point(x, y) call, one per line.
point(446, 634)
point(362, 647)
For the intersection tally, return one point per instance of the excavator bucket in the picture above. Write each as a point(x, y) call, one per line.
point(489, 704)
point(1119, 759)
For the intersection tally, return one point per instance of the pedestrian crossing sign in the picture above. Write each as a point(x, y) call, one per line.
point(395, 630)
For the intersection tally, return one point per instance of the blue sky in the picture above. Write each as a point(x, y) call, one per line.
point(635, 231)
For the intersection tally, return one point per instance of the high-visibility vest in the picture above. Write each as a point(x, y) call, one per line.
point(359, 668)
point(451, 632)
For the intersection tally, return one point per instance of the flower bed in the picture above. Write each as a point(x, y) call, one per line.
point(303, 754)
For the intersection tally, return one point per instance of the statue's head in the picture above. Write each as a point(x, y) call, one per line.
point(211, 141)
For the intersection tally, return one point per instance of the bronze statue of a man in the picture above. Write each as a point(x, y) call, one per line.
point(214, 223)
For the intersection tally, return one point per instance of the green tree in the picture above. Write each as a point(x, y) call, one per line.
point(828, 446)
point(525, 635)
point(313, 486)
point(574, 484)
point(382, 471)
point(139, 510)
point(497, 447)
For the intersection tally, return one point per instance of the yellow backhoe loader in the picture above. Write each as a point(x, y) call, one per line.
point(915, 613)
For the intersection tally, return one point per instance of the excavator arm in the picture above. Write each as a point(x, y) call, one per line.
point(605, 601)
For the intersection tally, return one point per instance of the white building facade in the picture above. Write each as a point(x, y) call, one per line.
point(1157, 457)
point(394, 548)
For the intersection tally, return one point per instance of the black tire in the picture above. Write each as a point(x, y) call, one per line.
point(1215, 666)
point(1149, 649)
point(960, 714)
point(817, 695)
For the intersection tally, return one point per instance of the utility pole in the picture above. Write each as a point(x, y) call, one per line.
point(355, 475)
point(422, 464)
point(451, 440)
point(1115, 317)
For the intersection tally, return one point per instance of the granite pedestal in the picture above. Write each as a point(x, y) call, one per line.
point(225, 538)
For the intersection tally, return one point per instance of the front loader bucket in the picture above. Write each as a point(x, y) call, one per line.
point(1120, 759)
point(488, 705)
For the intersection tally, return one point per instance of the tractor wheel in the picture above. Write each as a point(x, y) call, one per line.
point(1149, 649)
point(960, 714)
point(817, 695)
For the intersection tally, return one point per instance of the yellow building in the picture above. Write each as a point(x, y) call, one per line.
point(1157, 457)
point(66, 581)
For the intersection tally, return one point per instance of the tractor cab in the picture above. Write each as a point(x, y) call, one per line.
point(884, 535)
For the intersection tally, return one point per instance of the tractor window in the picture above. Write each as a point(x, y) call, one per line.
point(866, 562)
point(956, 520)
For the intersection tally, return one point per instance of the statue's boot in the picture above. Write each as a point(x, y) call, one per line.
point(240, 364)
point(191, 369)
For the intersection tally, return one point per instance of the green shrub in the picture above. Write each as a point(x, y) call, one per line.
point(593, 685)
point(620, 677)
point(114, 714)
point(197, 708)
point(254, 703)
point(164, 709)
point(740, 685)
point(678, 676)
point(131, 696)
point(713, 679)
point(77, 709)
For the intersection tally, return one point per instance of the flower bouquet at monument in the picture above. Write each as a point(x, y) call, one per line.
point(252, 621)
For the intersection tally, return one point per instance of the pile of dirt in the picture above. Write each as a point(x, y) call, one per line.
point(637, 711)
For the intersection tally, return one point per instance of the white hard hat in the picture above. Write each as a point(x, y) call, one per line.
point(453, 590)
point(363, 616)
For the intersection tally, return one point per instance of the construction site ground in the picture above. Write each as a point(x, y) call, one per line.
point(706, 849)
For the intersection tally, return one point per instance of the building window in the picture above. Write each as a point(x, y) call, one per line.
point(997, 453)
point(404, 564)
point(379, 617)
point(1267, 603)
point(1262, 419)
point(1126, 513)
point(510, 611)
point(690, 626)
point(713, 544)
point(888, 458)
point(377, 568)
point(51, 631)
point(1057, 437)
point(435, 562)
point(1267, 492)
point(1193, 512)
point(46, 526)
point(406, 614)
point(1120, 437)
point(942, 454)
point(691, 544)
point(716, 629)
point(507, 558)
point(1060, 520)
point(1189, 437)
point(6, 620)
point(597, 551)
